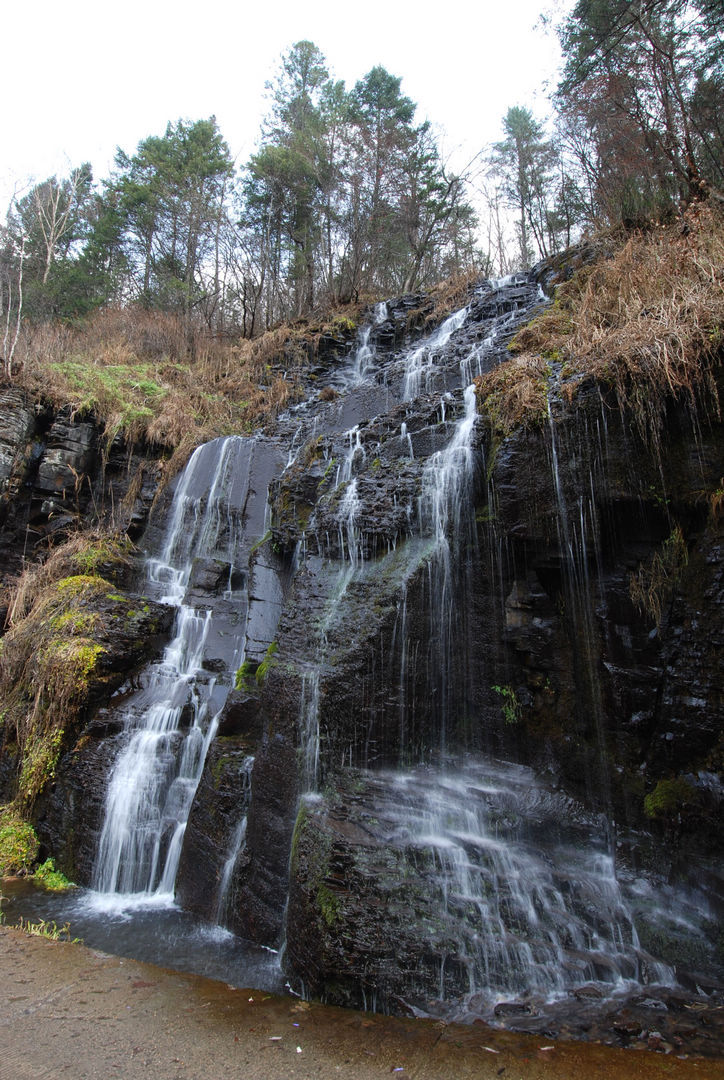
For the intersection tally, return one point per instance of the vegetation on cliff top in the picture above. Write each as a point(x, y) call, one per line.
point(647, 321)
point(146, 375)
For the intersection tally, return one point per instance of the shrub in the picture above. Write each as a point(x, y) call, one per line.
point(18, 843)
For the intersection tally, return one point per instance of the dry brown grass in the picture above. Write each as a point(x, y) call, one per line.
point(449, 295)
point(452, 294)
point(514, 394)
point(648, 321)
point(147, 375)
point(652, 586)
point(88, 552)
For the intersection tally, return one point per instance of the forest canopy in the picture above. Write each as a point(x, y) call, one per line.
point(348, 194)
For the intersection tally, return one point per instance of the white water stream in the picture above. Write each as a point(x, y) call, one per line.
point(170, 723)
point(524, 884)
point(420, 364)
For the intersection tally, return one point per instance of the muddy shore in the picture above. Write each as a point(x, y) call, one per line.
point(69, 1011)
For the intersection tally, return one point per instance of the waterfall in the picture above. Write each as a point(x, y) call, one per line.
point(445, 514)
point(521, 878)
point(170, 723)
point(420, 364)
point(383, 603)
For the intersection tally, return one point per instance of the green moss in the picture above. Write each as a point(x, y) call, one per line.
point(76, 621)
point(82, 584)
point(328, 904)
point(344, 325)
point(52, 879)
point(18, 843)
point(244, 674)
point(78, 657)
point(39, 760)
point(263, 670)
point(299, 826)
point(669, 798)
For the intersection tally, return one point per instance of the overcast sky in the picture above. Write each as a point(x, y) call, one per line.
point(83, 77)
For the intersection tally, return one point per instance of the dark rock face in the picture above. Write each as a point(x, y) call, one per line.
point(263, 870)
point(56, 474)
point(214, 831)
point(69, 815)
point(363, 926)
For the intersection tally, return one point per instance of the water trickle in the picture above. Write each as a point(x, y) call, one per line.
point(445, 514)
point(577, 527)
point(354, 455)
point(350, 537)
point(420, 364)
point(309, 733)
point(406, 440)
point(236, 846)
point(365, 353)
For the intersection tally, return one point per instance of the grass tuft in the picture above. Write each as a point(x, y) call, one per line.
point(51, 655)
point(18, 842)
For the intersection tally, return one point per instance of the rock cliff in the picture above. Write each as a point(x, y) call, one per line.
point(430, 588)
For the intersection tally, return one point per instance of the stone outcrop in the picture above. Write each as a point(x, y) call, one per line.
point(57, 473)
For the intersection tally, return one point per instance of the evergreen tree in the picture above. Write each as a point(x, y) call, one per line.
point(170, 195)
point(289, 175)
point(524, 159)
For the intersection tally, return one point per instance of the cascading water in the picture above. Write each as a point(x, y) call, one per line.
point(518, 879)
point(171, 722)
point(445, 513)
point(420, 364)
point(365, 353)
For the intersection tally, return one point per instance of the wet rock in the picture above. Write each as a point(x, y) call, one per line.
point(513, 1008)
point(219, 809)
point(70, 812)
point(210, 577)
point(241, 715)
point(627, 1026)
point(591, 992)
point(263, 873)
